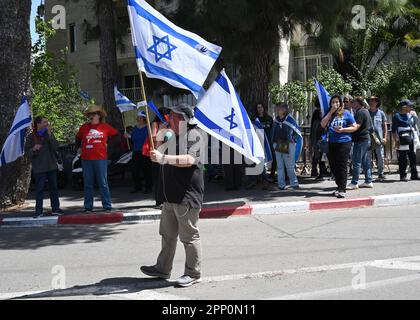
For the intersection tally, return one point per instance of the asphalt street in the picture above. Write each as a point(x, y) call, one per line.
point(351, 254)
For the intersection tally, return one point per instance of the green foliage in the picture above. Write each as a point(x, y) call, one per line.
point(333, 82)
point(294, 93)
point(394, 82)
point(56, 93)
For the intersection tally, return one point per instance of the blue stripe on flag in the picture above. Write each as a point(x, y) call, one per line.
point(3, 160)
point(164, 27)
point(156, 111)
point(200, 116)
point(247, 122)
point(324, 102)
point(222, 82)
point(19, 124)
point(167, 74)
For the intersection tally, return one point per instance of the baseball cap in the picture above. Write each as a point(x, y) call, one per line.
point(406, 102)
point(142, 114)
point(186, 110)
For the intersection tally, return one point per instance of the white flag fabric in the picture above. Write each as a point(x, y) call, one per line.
point(167, 52)
point(13, 147)
point(122, 102)
point(221, 114)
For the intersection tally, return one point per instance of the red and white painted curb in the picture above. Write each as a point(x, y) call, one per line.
point(221, 211)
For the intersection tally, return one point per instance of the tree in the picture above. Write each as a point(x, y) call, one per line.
point(108, 57)
point(249, 32)
point(15, 66)
point(56, 93)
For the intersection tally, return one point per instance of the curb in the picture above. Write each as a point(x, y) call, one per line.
point(220, 212)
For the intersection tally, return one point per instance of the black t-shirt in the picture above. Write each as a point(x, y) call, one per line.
point(267, 123)
point(184, 185)
point(362, 117)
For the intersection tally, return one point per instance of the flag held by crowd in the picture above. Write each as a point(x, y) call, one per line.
point(122, 102)
point(324, 98)
point(13, 147)
point(221, 114)
point(267, 150)
point(291, 122)
point(165, 51)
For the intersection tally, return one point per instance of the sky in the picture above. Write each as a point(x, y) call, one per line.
point(35, 4)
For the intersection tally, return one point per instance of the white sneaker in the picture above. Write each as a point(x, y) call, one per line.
point(352, 186)
point(367, 185)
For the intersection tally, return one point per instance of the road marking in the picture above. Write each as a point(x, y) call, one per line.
point(403, 263)
point(148, 295)
point(348, 289)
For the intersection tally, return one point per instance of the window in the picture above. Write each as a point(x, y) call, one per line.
point(72, 36)
point(307, 61)
point(132, 81)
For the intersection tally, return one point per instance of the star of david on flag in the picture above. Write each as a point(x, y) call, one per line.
point(157, 47)
point(221, 114)
point(165, 51)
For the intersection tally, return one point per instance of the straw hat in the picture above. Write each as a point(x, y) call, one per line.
point(94, 108)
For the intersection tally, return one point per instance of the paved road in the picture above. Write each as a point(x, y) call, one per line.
point(321, 256)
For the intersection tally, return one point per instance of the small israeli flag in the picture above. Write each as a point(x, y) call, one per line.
point(13, 147)
point(122, 102)
point(165, 51)
point(324, 98)
point(221, 114)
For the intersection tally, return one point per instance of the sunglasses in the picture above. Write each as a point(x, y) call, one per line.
point(93, 114)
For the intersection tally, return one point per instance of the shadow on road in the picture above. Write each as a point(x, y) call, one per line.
point(102, 288)
point(35, 238)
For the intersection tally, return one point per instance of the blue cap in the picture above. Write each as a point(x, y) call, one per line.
point(406, 102)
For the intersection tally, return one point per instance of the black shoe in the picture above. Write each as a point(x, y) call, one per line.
point(151, 271)
point(135, 190)
point(415, 178)
point(108, 210)
point(87, 211)
point(319, 178)
point(57, 212)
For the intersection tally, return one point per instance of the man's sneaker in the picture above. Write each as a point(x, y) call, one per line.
point(57, 212)
point(352, 186)
point(367, 185)
point(381, 178)
point(151, 271)
point(341, 195)
point(186, 281)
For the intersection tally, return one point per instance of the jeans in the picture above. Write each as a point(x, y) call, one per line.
point(98, 169)
point(380, 154)
point(40, 179)
point(338, 155)
point(361, 159)
point(287, 160)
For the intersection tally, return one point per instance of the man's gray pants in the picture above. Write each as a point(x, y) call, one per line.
point(179, 219)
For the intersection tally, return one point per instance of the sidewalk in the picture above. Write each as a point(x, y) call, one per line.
point(220, 203)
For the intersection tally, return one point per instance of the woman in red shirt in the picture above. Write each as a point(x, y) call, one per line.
point(93, 139)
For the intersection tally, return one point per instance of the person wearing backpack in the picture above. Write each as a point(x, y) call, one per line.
point(403, 134)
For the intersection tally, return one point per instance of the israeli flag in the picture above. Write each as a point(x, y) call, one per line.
point(122, 102)
point(291, 122)
point(13, 147)
point(267, 150)
point(324, 98)
point(221, 114)
point(85, 95)
point(167, 52)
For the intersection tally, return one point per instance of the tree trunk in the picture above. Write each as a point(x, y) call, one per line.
point(255, 78)
point(108, 57)
point(15, 69)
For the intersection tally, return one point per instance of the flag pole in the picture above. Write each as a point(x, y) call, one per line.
point(125, 130)
point(143, 92)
